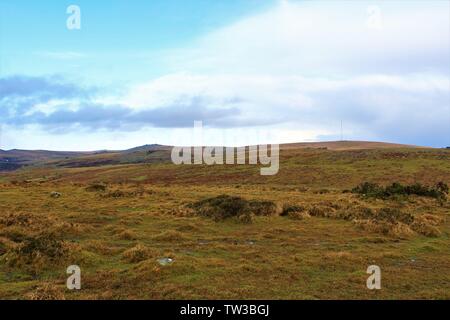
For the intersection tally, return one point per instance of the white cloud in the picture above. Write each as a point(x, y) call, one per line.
point(308, 102)
point(332, 38)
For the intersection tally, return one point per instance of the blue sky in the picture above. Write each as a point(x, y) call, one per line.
point(34, 34)
point(253, 71)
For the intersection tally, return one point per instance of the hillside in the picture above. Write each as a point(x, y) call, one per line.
point(15, 159)
point(347, 145)
point(154, 153)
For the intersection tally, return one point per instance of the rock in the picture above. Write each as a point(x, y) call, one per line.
point(165, 261)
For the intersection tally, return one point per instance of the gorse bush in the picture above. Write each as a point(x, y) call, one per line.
point(439, 191)
point(37, 252)
point(45, 244)
point(225, 206)
point(221, 207)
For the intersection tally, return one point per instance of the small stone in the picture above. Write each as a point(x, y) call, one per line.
point(165, 261)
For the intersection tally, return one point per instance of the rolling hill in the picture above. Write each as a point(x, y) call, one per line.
point(153, 153)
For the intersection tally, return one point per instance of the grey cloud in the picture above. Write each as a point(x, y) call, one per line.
point(18, 94)
point(44, 87)
point(114, 117)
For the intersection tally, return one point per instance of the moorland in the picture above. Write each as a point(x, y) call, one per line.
point(140, 227)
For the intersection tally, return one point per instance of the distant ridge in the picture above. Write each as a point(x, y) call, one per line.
point(148, 147)
point(150, 153)
point(347, 145)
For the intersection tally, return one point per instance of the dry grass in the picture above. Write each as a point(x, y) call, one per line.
point(47, 291)
point(138, 253)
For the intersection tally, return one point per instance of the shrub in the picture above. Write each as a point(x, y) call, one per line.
point(291, 208)
point(221, 207)
point(439, 191)
point(96, 187)
point(224, 206)
point(368, 189)
point(442, 187)
point(37, 252)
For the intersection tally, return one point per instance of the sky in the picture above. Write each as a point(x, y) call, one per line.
point(253, 71)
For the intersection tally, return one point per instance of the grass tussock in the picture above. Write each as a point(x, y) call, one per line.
point(46, 291)
point(127, 235)
point(138, 253)
point(20, 219)
point(394, 222)
point(263, 208)
point(170, 236)
point(388, 221)
point(127, 193)
point(427, 225)
point(395, 229)
point(295, 212)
